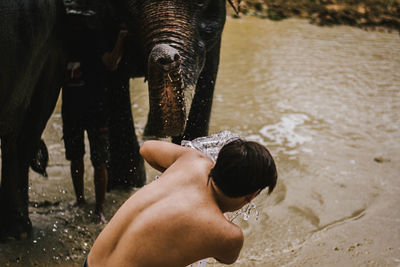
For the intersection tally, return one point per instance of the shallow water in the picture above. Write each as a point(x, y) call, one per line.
point(325, 101)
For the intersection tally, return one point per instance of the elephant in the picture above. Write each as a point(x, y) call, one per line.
point(174, 44)
point(31, 73)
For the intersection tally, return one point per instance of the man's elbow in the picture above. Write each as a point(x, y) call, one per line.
point(147, 148)
point(143, 149)
point(109, 62)
point(233, 249)
point(228, 261)
point(229, 258)
point(111, 65)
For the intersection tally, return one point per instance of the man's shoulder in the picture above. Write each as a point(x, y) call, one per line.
point(232, 234)
point(195, 160)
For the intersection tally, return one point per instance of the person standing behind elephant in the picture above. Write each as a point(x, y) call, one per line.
point(84, 108)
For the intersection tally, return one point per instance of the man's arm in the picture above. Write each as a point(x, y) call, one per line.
point(160, 155)
point(229, 248)
point(112, 59)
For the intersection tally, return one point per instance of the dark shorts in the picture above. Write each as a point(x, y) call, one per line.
point(74, 130)
point(83, 109)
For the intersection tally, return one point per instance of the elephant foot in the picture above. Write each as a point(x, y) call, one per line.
point(14, 227)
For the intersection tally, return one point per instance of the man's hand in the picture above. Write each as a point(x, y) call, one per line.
point(112, 59)
point(122, 34)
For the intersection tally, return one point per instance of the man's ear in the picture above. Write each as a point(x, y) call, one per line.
point(236, 5)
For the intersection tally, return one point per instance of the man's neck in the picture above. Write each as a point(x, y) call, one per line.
point(225, 203)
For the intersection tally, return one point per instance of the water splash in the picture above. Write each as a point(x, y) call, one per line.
point(211, 145)
point(285, 131)
point(247, 211)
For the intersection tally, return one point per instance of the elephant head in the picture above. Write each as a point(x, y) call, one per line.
point(175, 37)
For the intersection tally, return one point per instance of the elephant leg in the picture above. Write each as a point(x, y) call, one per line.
point(17, 152)
point(126, 167)
point(14, 222)
point(200, 111)
point(19, 147)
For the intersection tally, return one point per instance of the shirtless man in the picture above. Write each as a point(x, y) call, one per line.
point(179, 218)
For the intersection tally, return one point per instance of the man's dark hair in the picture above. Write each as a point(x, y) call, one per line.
point(243, 167)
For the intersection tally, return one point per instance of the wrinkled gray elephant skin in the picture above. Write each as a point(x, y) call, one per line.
point(173, 43)
point(31, 72)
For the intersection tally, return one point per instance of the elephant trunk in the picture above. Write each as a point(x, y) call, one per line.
point(167, 115)
point(172, 71)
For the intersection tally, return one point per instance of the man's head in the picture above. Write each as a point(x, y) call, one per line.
point(244, 167)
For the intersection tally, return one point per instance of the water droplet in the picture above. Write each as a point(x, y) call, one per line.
point(247, 212)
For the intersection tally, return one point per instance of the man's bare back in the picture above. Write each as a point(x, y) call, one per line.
point(173, 221)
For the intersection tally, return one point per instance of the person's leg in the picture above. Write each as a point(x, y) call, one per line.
point(73, 135)
point(100, 184)
point(99, 154)
point(77, 171)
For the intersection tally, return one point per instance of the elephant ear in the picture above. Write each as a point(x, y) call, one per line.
point(235, 4)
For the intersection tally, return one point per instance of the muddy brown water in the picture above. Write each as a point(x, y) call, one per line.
point(325, 101)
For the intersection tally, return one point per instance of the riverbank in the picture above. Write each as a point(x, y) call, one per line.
point(368, 14)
